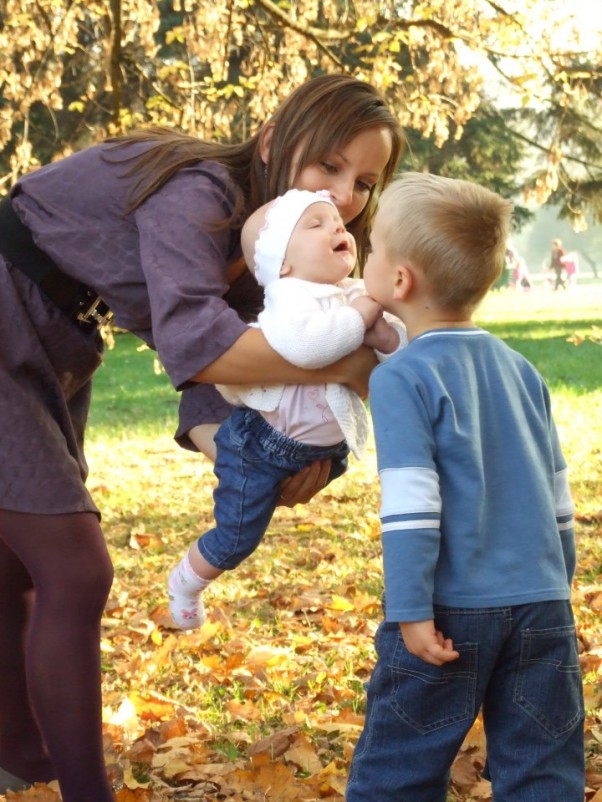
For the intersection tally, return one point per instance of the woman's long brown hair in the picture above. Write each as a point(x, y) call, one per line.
point(316, 120)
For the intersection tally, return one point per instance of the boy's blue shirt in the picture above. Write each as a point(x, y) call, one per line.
point(476, 509)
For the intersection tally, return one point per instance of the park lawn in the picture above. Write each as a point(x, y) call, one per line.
point(266, 700)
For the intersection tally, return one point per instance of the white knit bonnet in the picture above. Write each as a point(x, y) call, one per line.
point(280, 220)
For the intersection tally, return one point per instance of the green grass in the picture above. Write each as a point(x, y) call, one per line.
point(130, 399)
point(539, 324)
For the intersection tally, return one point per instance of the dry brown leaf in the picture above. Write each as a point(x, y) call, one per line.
point(338, 726)
point(146, 540)
point(482, 791)
point(590, 662)
point(303, 754)
point(150, 708)
point(273, 745)
point(134, 795)
point(463, 772)
point(333, 778)
point(277, 781)
point(175, 766)
point(595, 600)
point(173, 728)
point(39, 792)
point(593, 780)
point(592, 693)
point(245, 710)
point(266, 657)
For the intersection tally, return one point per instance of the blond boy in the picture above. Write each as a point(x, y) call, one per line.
point(477, 523)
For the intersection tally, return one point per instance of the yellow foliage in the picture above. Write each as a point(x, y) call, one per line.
point(220, 68)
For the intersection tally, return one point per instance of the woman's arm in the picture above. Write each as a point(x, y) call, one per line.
point(250, 360)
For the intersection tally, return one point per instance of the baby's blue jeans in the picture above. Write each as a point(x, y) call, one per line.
point(252, 460)
point(520, 665)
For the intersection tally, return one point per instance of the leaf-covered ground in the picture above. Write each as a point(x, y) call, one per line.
point(265, 701)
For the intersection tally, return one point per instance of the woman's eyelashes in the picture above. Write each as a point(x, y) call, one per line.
point(333, 169)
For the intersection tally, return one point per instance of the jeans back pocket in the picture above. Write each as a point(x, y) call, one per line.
point(548, 685)
point(428, 697)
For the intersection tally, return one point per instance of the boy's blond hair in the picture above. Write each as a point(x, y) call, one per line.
point(454, 231)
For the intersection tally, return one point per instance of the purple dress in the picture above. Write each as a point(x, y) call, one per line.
point(162, 273)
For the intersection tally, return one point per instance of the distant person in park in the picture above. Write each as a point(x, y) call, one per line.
point(477, 523)
point(516, 264)
point(570, 262)
point(314, 315)
point(148, 226)
point(557, 264)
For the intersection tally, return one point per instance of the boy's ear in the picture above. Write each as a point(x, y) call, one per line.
point(403, 282)
point(265, 140)
point(285, 269)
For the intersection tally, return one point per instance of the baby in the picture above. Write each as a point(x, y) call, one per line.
point(314, 315)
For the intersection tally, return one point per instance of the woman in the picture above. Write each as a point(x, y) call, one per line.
point(557, 264)
point(148, 225)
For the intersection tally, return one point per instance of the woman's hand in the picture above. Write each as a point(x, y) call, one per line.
point(303, 486)
point(354, 370)
point(297, 489)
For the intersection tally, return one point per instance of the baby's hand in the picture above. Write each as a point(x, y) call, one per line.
point(368, 308)
point(382, 336)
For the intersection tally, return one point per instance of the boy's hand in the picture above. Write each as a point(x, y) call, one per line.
point(423, 640)
point(382, 336)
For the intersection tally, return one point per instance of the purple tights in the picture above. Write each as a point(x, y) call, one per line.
point(55, 577)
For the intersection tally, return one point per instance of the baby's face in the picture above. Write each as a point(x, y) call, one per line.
point(320, 248)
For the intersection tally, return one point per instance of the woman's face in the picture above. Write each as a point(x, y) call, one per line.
point(350, 172)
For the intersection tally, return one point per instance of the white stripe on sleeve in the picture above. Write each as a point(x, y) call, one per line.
point(409, 490)
point(562, 491)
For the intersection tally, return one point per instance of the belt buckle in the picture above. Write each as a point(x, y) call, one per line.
point(97, 312)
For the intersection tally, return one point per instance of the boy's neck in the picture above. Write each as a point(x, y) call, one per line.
point(416, 305)
point(436, 319)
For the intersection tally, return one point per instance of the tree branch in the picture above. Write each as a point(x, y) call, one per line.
point(116, 74)
point(319, 35)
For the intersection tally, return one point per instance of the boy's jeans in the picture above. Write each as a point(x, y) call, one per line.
point(520, 664)
point(252, 459)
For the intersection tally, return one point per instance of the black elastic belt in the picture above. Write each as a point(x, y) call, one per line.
point(80, 303)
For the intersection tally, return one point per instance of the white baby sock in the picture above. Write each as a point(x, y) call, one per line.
point(185, 601)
